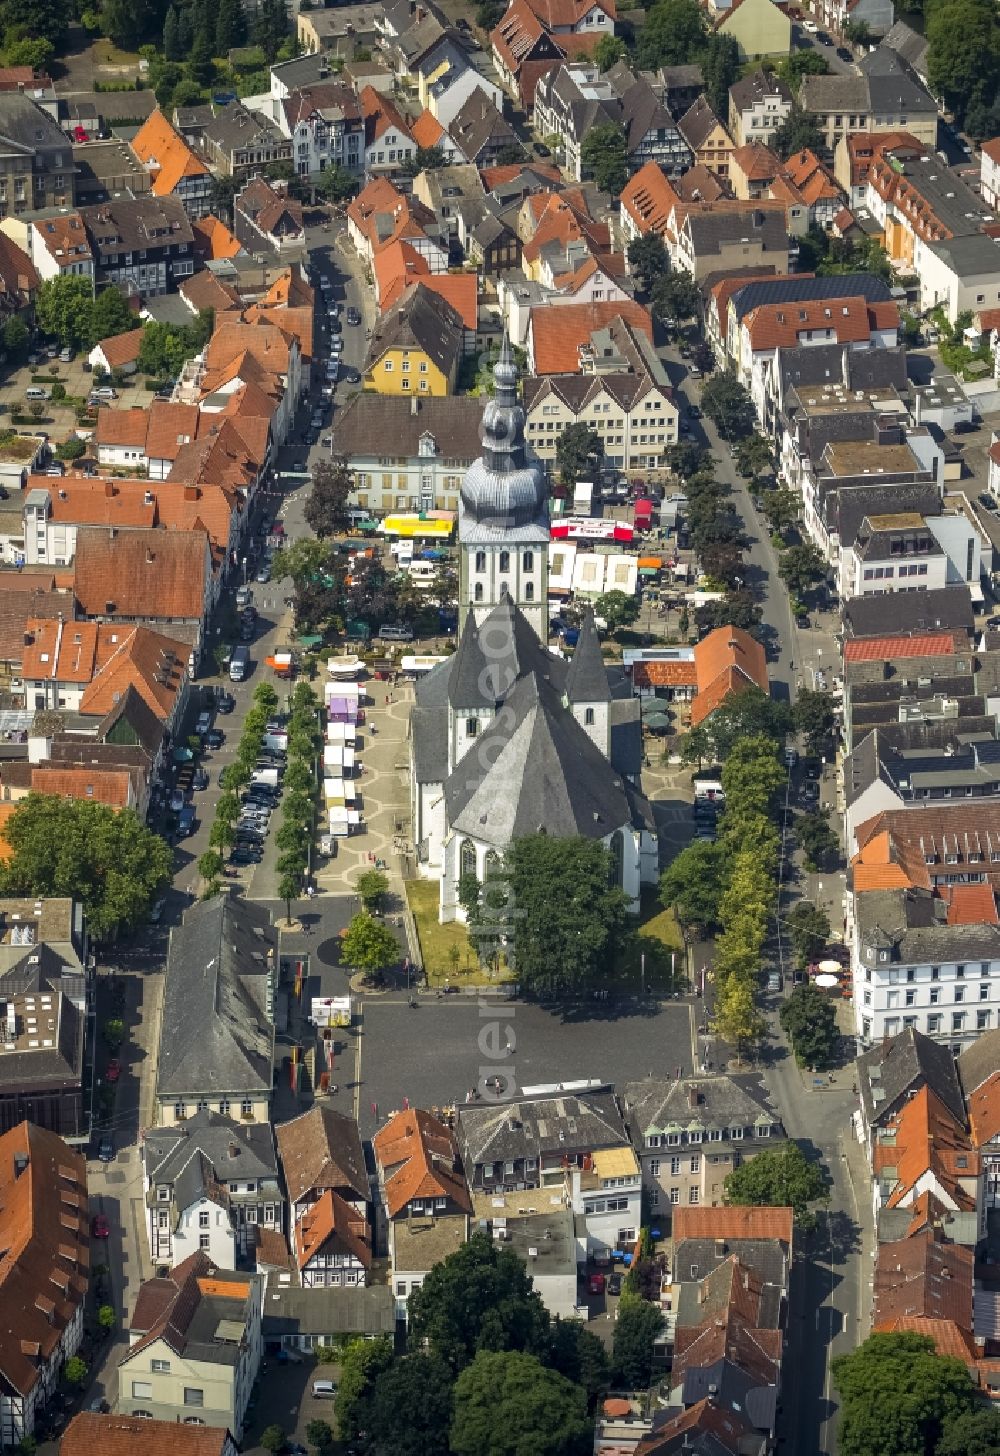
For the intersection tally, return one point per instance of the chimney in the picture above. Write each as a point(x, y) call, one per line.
point(109, 489)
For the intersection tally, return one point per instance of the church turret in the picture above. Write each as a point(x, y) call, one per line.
point(503, 521)
point(587, 692)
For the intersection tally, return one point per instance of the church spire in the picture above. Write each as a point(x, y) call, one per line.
point(587, 678)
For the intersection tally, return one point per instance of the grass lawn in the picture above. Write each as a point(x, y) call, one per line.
point(106, 53)
point(438, 942)
point(657, 937)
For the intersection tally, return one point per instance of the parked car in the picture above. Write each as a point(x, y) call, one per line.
point(595, 1283)
point(177, 801)
point(614, 1284)
point(106, 1148)
point(99, 1227)
point(264, 574)
point(353, 317)
point(215, 738)
point(336, 344)
point(156, 913)
point(844, 54)
point(224, 702)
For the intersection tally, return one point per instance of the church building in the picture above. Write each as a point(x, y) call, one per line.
point(508, 738)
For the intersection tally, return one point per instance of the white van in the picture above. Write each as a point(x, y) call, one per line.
point(324, 1389)
point(35, 391)
point(395, 632)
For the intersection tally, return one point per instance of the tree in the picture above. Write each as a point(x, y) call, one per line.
point(673, 35)
point(729, 406)
point(71, 449)
point(604, 154)
point(15, 336)
point(754, 456)
point(211, 865)
point(326, 508)
point(897, 1394)
point(273, 1439)
point(373, 886)
point(636, 1328)
point(810, 1023)
point(801, 567)
point(508, 1404)
point(362, 1362)
point(336, 183)
point(693, 883)
point(75, 1370)
point(781, 508)
point(816, 839)
point(778, 1178)
point(410, 1409)
point(737, 1019)
point(28, 51)
point(809, 927)
point(108, 861)
point(609, 50)
point(571, 913)
point(858, 32)
point(675, 297)
point(806, 62)
point(171, 36)
point(480, 1298)
point(230, 26)
point(320, 1434)
point(110, 315)
point(648, 258)
point(64, 309)
point(617, 608)
point(974, 1432)
point(106, 1317)
point(687, 459)
point(289, 886)
point(963, 54)
point(578, 1354)
point(720, 67)
point(799, 132)
point(369, 946)
point(752, 777)
point(815, 715)
point(579, 454)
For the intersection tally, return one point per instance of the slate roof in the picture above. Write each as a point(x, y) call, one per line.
point(764, 291)
point(760, 222)
point(907, 44)
point(368, 420)
point(353, 1311)
point(322, 1149)
point(698, 123)
point(231, 1150)
point(420, 320)
point(755, 87)
point(978, 1062)
point(723, 1102)
point(587, 677)
point(479, 124)
point(893, 85)
point(215, 1036)
point(893, 1071)
point(587, 1120)
point(939, 609)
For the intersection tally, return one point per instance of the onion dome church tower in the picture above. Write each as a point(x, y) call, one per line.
point(503, 518)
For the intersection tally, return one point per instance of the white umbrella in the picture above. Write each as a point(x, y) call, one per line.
point(830, 967)
point(827, 982)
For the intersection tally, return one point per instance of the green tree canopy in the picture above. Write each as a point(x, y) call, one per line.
point(721, 67)
point(675, 297)
point(619, 609)
point(373, 886)
point(648, 258)
point(973, 1432)
point(809, 928)
point(898, 1395)
point(609, 50)
point(64, 308)
point(636, 1328)
point(729, 406)
point(782, 509)
point(508, 1404)
point(801, 567)
point(692, 885)
point(479, 1298)
point(814, 715)
point(579, 1354)
point(410, 1409)
point(604, 154)
point(799, 132)
point(570, 916)
point(810, 1023)
point(361, 1364)
point(805, 62)
point(817, 839)
point(326, 507)
point(579, 454)
point(107, 860)
point(778, 1178)
point(963, 55)
point(369, 945)
point(673, 35)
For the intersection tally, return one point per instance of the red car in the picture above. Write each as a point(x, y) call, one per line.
point(596, 1283)
point(113, 1070)
point(99, 1227)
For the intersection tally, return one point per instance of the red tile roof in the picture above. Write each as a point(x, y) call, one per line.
point(118, 1435)
point(984, 1110)
point(727, 661)
point(649, 198)
point(380, 113)
point(418, 1158)
point(427, 131)
point(213, 240)
point(332, 1226)
point(923, 1275)
point(971, 904)
point(111, 787)
point(734, 1222)
point(121, 349)
point(557, 333)
point(851, 320)
point(888, 649)
point(559, 15)
point(664, 674)
point(166, 155)
point(141, 574)
point(928, 1140)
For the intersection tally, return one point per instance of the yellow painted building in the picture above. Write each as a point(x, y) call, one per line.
point(416, 347)
point(758, 27)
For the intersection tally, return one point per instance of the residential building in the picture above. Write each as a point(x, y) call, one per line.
point(381, 215)
point(120, 351)
point(885, 96)
point(36, 161)
point(558, 338)
point(909, 45)
point(174, 169)
point(433, 440)
point(917, 201)
point(881, 777)
point(45, 1274)
point(325, 125)
point(923, 1149)
point(340, 31)
point(328, 1193)
point(240, 143)
point(211, 1183)
point(42, 1023)
point(759, 27)
point(575, 98)
point(877, 15)
point(925, 960)
point(423, 1195)
point(758, 104)
point(620, 390)
point(480, 132)
point(388, 140)
point(989, 172)
point(195, 1347)
point(907, 550)
point(114, 581)
point(217, 1026)
point(960, 275)
point(893, 1071)
point(59, 247)
point(523, 51)
point(577, 18)
point(716, 239)
point(545, 1242)
point(144, 243)
point(571, 1146)
point(268, 220)
point(690, 1134)
point(117, 1435)
point(707, 139)
point(416, 347)
point(979, 1073)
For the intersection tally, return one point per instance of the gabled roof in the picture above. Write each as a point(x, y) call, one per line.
point(417, 1156)
point(699, 123)
point(46, 1244)
point(330, 1227)
point(735, 1222)
point(558, 15)
point(213, 240)
point(165, 153)
point(757, 86)
point(557, 333)
point(380, 113)
point(421, 320)
point(727, 661)
point(928, 1140)
point(121, 349)
point(322, 1149)
point(923, 1275)
point(119, 1435)
point(977, 1062)
point(141, 574)
point(427, 131)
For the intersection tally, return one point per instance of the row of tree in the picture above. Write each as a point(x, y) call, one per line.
point(235, 779)
point(298, 817)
